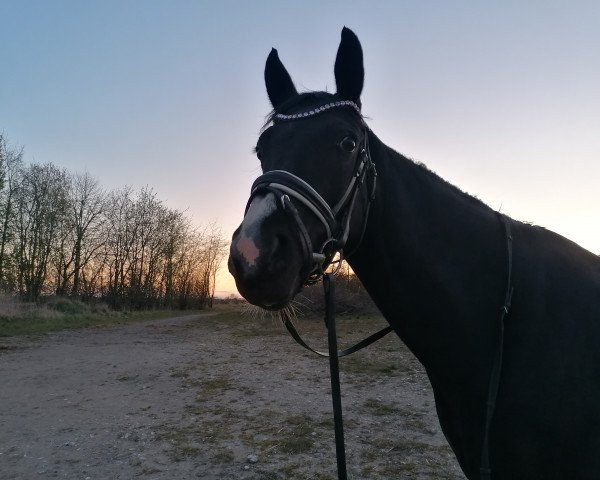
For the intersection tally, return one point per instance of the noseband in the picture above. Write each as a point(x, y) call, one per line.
point(335, 220)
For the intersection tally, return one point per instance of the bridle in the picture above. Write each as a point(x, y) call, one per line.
point(335, 220)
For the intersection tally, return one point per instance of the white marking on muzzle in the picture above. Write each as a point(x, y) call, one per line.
point(248, 250)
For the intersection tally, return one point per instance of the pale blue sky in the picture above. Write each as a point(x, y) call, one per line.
point(500, 98)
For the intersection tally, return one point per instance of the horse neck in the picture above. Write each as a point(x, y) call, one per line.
point(434, 261)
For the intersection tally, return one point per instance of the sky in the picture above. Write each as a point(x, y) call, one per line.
point(501, 99)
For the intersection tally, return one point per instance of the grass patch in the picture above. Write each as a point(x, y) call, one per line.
point(150, 471)
point(294, 471)
point(189, 441)
point(38, 323)
point(54, 314)
point(211, 386)
point(365, 366)
point(290, 435)
point(376, 407)
point(412, 419)
point(180, 373)
point(224, 457)
point(291, 470)
point(405, 459)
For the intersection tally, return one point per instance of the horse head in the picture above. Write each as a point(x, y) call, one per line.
point(311, 201)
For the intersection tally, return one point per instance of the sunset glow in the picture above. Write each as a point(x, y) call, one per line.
point(501, 100)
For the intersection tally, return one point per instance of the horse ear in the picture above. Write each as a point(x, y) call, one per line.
point(349, 70)
point(278, 81)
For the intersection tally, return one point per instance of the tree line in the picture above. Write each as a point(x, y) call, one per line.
point(62, 233)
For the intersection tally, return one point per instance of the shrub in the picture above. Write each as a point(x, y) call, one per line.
point(350, 296)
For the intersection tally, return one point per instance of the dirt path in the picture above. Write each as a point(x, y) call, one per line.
point(211, 397)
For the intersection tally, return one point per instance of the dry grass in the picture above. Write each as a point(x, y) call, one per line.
point(52, 314)
point(12, 308)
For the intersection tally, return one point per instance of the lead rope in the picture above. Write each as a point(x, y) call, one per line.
point(334, 371)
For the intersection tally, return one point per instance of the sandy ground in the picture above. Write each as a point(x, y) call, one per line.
point(212, 397)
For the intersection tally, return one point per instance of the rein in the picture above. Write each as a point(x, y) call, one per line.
point(334, 369)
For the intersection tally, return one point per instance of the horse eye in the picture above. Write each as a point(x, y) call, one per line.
point(348, 144)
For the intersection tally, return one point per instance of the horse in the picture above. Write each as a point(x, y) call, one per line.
point(497, 310)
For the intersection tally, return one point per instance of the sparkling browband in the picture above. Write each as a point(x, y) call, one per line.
point(322, 108)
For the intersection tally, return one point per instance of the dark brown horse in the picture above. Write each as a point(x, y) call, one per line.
point(435, 261)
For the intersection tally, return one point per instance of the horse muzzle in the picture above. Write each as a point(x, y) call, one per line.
point(264, 259)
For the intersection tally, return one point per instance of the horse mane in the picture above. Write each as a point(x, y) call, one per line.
point(470, 197)
point(433, 177)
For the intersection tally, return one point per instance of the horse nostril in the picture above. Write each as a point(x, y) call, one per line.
point(236, 266)
point(231, 265)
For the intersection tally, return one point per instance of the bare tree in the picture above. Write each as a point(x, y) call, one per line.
point(146, 252)
point(89, 205)
point(40, 210)
point(11, 165)
point(62, 234)
point(79, 240)
point(175, 229)
point(214, 250)
point(119, 234)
